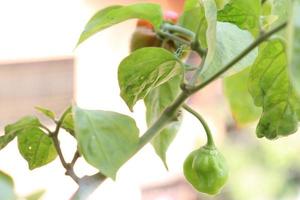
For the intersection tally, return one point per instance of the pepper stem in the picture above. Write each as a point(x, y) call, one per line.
point(210, 140)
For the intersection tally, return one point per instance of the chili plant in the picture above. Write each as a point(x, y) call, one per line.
point(254, 46)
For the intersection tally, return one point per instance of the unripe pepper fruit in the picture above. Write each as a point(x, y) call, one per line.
point(144, 35)
point(206, 170)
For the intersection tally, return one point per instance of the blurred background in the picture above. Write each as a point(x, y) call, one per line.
point(39, 65)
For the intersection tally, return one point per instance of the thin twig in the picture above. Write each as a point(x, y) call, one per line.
point(210, 140)
point(75, 158)
point(54, 135)
point(173, 37)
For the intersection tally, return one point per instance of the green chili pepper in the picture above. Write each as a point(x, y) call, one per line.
point(206, 170)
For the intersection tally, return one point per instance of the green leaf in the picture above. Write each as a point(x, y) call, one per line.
point(193, 18)
point(241, 103)
point(6, 187)
point(36, 147)
point(221, 3)
point(12, 130)
point(281, 9)
point(210, 10)
point(143, 70)
point(106, 139)
point(35, 195)
point(6, 139)
point(68, 124)
point(267, 19)
point(271, 89)
point(231, 41)
point(48, 113)
point(115, 14)
point(156, 101)
point(294, 45)
point(243, 13)
point(190, 4)
point(201, 18)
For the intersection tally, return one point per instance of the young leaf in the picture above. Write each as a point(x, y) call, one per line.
point(106, 139)
point(156, 101)
point(35, 195)
point(243, 13)
point(144, 70)
point(48, 113)
point(221, 3)
point(23, 123)
point(281, 9)
point(231, 41)
point(36, 147)
point(270, 87)
point(6, 187)
point(201, 18)
point(294, 45)
point(190, 4)
point(210, 10)
point(193, 18)
point(241, 103)
point(68, 124)
point(115, 14)
point(12, 130)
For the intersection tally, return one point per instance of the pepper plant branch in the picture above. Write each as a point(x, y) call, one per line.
point(178, 29)
point(173, 37)
point(195, 77)
point(54, 135)
point(75, 158)
point(252, 46)
point(210, 140)
point(170, 113)
point(190, 36)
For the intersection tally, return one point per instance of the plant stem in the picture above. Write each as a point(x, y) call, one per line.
point(75, 158)
point(54, 135)
point(210, 140)
point(252, 46)
point(173, 37)
point(169, 115)
point(191, 38)
point(179, 29)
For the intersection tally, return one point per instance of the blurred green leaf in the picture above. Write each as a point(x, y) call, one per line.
point(12, 130)
point(270, 87)
point(143, 70)
point(156, 101)
point(48, 113)
point(68, 123)
point(6, 187)
point(115, 14)
point(106, 139)
point(193, 18)
point(231, 41)
point(243, 13)
point(281, 9)
point(210, 10)
point(35, 195)
point(241, 103)
point(294, 45)
point(36, 147)
point(201, 18)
